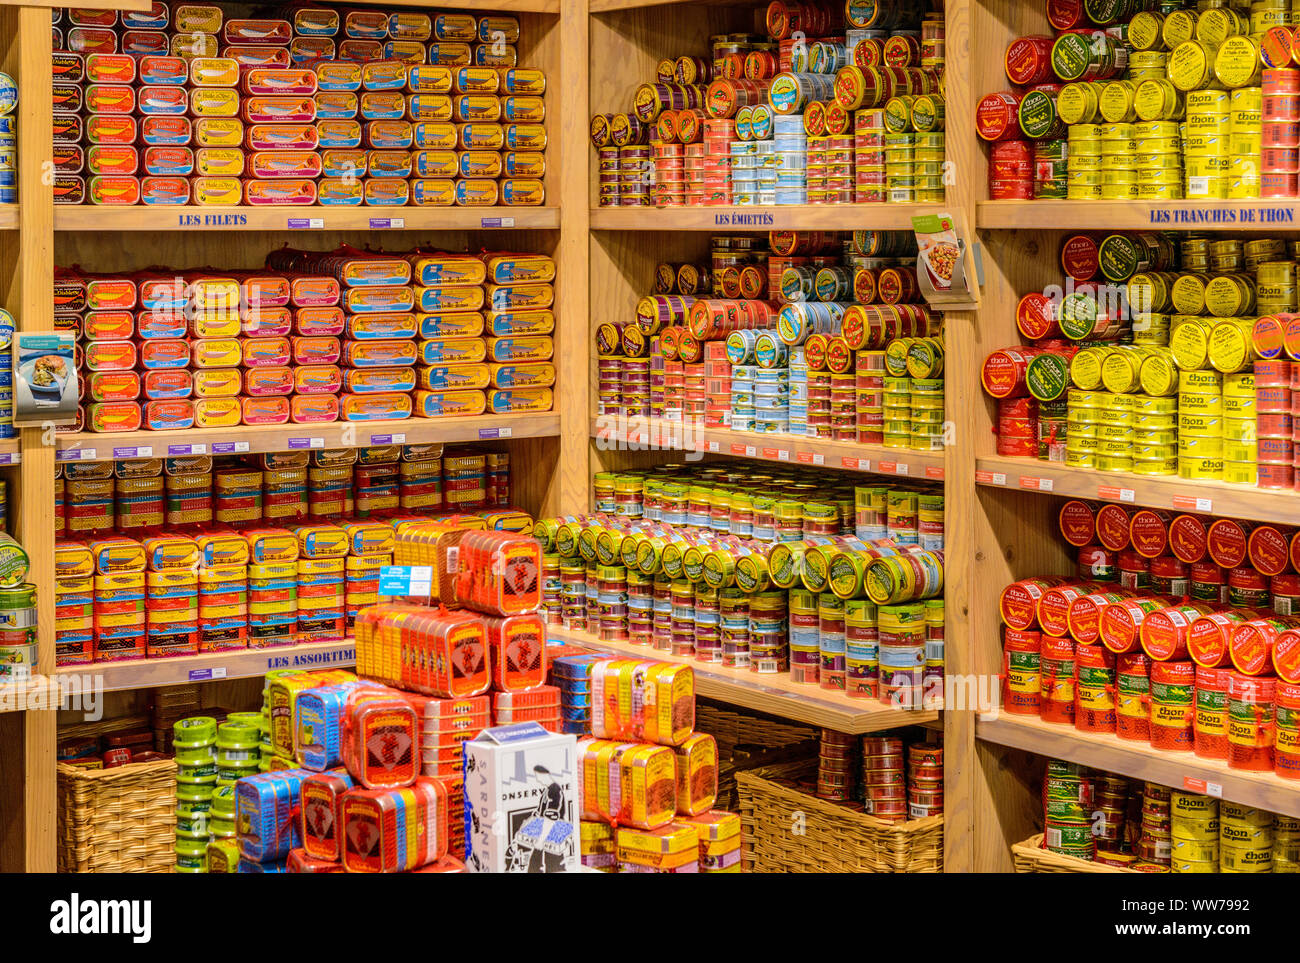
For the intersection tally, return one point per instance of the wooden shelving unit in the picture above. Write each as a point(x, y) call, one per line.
point(774, 694)
point(35, 236)
point(803, 217)
point(1173, 494)
point(1012, 511)
point(215, 666)
point(93, 446)
point(657, 434)
point(85, 217)
point(1137, 760)
point(1253, 215)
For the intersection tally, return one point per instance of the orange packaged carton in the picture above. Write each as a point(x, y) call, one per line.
point(396, 830)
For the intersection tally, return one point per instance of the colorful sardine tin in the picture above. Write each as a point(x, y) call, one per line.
point(454, 377)
point(308, 51)
point(104, 68)
point(163, 101)
point(281, 137)
point(168, 385)
point(114, 190)
point(435, 135)
point(377, 407)
point(318, 379)
point(250, 55)
point(269, 32)
point(429, 79)
point(287, 191)
point(168, 415)
point(67, 67)
point(108, 99)
point(164, 190)
point(339, 133)
point(343, 162)
point(383, 105)
point(117, 129)
point(164, 131)
point(169, 162)
point(476, 193)
point(383, 75)
point(435, 192)
point(278, 110)
point(214, 72)
point(337, 105)
point(372, 381)
point(218, 132)
point(219, 161)
point(389, 163)
point(337, 191)
point(279, 80)
point(524, 164)
point(144, 43)
point(319, 321)
point(162, 70)
point(389, 134)
point(284, 164)
point(338, 75)
point(214, 102)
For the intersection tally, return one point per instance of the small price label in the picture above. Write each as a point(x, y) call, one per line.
point(142, 451)
point(229, 447)
point(738, 450)
point(306, 223)
point(1116, 494)
point(11, 458)
point(934, 471)
point(1190, 503)
point(180, 450)
point(714, 447)
point(1202, 786)
point(990, 478)
point(751, 451)
point(76, 454)
point(306, 442)
point(810, 458)
point(847, 462)
point(384, 223)
point(413, 580)
point(891, 468)
point(488, 223)
point(1036, 484)
point(387, 439)
point(487, 434)
point(204, 675)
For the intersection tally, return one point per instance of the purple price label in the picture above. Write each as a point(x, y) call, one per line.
point(490, 222)
point(485, 434)
point(180, 449)
point(299, 223)
point(299, 442)
point(379, 223)
point(125, 452)
point(223, 448)
point(200, 675)
point(381, 439)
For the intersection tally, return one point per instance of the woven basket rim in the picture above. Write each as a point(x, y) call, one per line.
point(130, 770)
point(1031, 849)
point(831, 810)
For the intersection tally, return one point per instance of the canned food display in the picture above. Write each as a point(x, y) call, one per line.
point(1176, 103)
point(815, 334)
point(277, 549)
point(277, 93)
point(8, 140)
point(854, 117)
point(315, 337)
point(1144, 827)
point(840, 586)
point(364, 772)
point(1179, 631)
point(1160, 355)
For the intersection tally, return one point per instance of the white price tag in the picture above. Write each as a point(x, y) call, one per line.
point(901, 468)
point(751, 451)
point(219, 672)
point(713, 447)
point(819, 458)
point(782, 455)
point(999, 478)
point(422, 580)
point(504, 432)
point(1214, 789)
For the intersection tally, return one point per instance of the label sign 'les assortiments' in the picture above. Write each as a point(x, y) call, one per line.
point(1262, 214)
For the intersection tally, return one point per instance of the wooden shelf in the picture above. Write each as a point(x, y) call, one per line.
point(93, 446)
point(8, 217)
point(152, 217)
point(607, 6)
point(1210, 215)
point(10, 452)
point(242, 664)
point(1204, 497)
point(809, 217)
point(774, 694)
point(497, 6)
point(1180, 770)
point(795, 449)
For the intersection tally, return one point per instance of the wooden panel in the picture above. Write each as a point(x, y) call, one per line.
point(807, 217)
point(34, 279)
point(246, 220)
point(572, 338)
point(90, 446)
point(1183, 215)
point(13, 831)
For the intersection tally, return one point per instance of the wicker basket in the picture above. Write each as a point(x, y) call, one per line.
point(119, 820)
point(1030, 857)
point(748, 741)
point(834, 839)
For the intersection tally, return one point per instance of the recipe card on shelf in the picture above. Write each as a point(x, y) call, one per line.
point(941, 262)
point(45, 379)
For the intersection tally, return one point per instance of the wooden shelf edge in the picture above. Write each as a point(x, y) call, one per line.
point(775, 695)
point(110, 446)
point(1181, 215)
point(495, 6)
point(1203, 497)
point(241, 664)
point(88, 217)
point(1139, 761)
point(821, 217)
point(793, 449)
point(8, 217)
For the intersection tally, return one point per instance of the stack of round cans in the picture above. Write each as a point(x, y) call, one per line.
point(8, 141)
